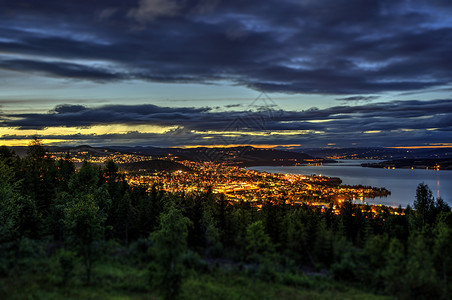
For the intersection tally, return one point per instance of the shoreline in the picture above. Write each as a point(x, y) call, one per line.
point(401, 182)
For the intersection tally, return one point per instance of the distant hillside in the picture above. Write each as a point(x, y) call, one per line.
point(441, 164)
point(379, 153)
point(245, 156)
point(89, 150)
point(155, 165)
point(140, 150)
point(251, 155)
point(20, 150)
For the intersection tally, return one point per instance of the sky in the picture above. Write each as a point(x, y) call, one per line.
point(184, 73)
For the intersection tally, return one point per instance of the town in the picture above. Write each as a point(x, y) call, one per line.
point(234, 183)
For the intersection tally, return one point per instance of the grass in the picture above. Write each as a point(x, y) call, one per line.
point(243, 287)
point(113, 280)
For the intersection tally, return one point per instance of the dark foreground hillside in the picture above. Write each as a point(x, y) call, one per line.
point(115, 280)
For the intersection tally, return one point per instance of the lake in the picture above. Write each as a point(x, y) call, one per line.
point(401, 182)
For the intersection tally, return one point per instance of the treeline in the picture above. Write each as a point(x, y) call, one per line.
point(48, 209)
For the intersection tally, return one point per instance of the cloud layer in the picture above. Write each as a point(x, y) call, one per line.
point(322, 46)
point(398, 123)
point(356, 51)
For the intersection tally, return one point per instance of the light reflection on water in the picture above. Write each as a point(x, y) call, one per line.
point(401, 182)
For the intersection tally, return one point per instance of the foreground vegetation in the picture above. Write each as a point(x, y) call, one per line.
point(119, 280)
point(87, 234)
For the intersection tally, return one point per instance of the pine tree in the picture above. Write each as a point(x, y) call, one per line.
point(395, 270)
point(420, 275)
point(170, 243)
point(84, 221)
point(442, 250)
point(9, 217)
point(424, 204)
point(258, 246)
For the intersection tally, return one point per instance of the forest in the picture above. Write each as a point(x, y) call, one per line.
point(88, 234)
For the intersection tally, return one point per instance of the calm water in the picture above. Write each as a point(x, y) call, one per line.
point(401, 182)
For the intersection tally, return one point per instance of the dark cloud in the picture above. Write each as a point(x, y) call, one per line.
point(184, 138)
point(323, 46)
point(68, 108)
point(61, 69)
point(233, 105)
point(386, 123)
point(358, 99)
point(81, 116)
